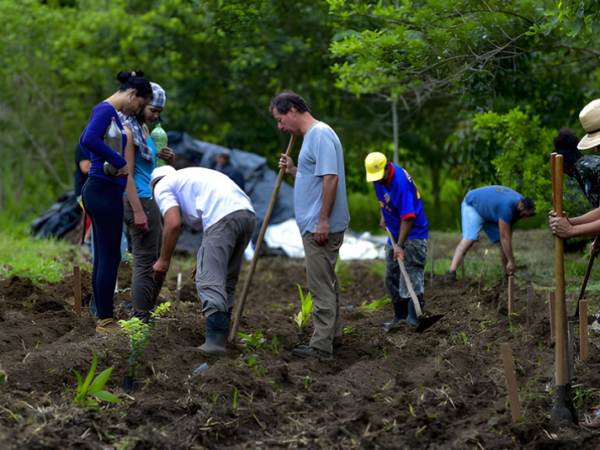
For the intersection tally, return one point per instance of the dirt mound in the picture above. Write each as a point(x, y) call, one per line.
point(396, 389)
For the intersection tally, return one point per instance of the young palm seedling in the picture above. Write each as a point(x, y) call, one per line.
point(374, 306)
point(341, 270)
point(89, 388)
point(303, 316)
point(254, 342)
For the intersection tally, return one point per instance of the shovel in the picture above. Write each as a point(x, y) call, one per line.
point(424, 322)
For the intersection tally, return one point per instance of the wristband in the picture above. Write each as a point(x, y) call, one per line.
point(402, 246)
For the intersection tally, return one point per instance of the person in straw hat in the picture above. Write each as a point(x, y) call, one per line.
point(588, 224)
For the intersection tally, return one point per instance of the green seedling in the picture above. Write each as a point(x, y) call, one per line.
point(383, 352)
point(235, 397)
point(163, 310)
point(349, 330)
point(374, 306)
point(306, 380)
point(465, 340)
point(89, 388)
point(344, 278)
point(273, 346)
point(307, 307)
point(511, 328)
point(254, 342)
point(138, 333)
point(3, 378)
point(214, 398)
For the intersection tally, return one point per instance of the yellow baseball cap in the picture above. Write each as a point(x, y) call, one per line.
point(375, 164)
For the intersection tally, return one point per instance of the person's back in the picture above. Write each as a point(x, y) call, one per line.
point(204, 196)
point(494, 202)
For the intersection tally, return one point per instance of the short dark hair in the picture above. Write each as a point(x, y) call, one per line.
point(528, 204)
point(285, 100)
point(566, 139)
point(135, 80)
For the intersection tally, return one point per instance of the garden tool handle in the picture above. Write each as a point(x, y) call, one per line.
point(560, 348)
point(413, 296)
point(263, 229)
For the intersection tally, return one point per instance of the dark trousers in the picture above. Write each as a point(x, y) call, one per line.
point(145, 286)
point(103, 201)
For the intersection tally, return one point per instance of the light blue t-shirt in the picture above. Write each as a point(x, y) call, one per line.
point(494, 202)
point(321, 154)
point(143, 171)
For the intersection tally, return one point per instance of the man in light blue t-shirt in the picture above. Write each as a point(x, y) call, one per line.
point(321, 213)
point(495, 209)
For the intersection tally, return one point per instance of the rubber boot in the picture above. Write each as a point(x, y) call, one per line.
point(412, 314)
point(399, 314)
point(217, 330)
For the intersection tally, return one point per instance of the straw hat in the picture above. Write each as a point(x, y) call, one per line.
point(590, 121)
point(375, 165)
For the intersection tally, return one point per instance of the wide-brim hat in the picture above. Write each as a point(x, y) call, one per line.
point(375, 165)
point(159, 173)
point(590, 121)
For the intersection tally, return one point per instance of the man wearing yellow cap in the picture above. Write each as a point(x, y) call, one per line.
point(402, 213)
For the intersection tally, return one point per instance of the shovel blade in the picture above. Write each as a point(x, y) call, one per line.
point(427, 322)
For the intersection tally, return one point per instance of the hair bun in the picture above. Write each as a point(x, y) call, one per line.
point(123, 76)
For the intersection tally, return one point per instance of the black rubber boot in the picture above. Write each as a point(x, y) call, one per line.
point(217, 330)
point(399, 314)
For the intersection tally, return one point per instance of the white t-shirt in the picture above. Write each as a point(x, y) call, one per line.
point(204, 196)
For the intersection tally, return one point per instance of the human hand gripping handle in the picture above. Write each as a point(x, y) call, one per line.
point(287, 163)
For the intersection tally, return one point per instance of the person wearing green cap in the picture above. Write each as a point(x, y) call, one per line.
point(403, 215)
point(142, 216)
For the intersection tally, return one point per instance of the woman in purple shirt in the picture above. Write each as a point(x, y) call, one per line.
point(102, 194)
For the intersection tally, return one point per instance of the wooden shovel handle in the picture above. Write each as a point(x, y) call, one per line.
point(263, 229)
point(413, 295)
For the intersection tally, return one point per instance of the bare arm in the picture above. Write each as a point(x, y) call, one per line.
point(405, 227)
point(141, 221)
point(171, 230)
point(506, 245)
point(330, 183)
point(84, 166)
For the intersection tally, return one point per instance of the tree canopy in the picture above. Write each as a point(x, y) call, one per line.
point(456, 89)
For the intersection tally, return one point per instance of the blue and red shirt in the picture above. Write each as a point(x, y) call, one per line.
point(400, 200)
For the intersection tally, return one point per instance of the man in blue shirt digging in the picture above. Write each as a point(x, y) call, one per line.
point(495, 209)
point(402, 214)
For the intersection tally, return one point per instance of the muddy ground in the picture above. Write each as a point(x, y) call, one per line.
point(398, 389)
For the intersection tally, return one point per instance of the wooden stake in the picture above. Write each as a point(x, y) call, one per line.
point(583, 330)
point(551, 307)
point(511, 381)
point(432, 259)
point(511, 295)
point(529, 305)
point(571, 350)
point(77, 290)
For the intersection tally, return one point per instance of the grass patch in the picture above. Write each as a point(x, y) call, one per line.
point(41, 260)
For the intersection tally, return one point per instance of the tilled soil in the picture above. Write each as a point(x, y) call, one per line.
point(398, 389)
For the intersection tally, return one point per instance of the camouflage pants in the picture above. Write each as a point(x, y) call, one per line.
point(415, 258)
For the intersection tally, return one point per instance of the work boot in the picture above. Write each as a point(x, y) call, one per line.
point(450, 276)
point(106, 326)
point(217, 329)
point(304, 351)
